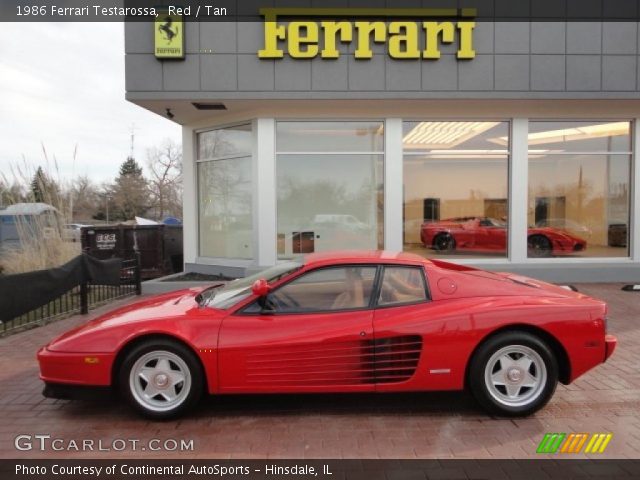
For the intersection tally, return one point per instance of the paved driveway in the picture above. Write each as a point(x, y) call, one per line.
point(441, 425)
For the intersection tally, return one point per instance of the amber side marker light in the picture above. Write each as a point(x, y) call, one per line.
point(91, 360)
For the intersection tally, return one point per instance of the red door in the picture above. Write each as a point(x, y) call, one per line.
point(310, 352)
point(497, 238)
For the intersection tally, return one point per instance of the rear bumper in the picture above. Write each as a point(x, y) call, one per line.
point(610, 343)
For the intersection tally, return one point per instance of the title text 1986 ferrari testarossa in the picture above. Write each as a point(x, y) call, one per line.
point(339, 322)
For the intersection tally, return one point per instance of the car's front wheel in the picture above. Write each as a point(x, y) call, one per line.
point(161, 378)
point(513, 374)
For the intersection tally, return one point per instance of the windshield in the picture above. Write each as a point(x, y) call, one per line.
point(494, 222)
point(238, 290)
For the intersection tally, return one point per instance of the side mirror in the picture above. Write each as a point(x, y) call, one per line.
point(260, 287)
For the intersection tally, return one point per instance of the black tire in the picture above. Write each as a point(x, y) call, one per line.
point(444, 242)
point(490, 397)
point(539, 246)
point(180, 358)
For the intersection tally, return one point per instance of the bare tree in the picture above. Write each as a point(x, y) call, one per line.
point(85, 196)
point(165, 181)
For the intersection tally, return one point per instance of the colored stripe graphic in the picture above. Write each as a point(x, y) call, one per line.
point(550, 443)
point(573, 442)
point(598, 443)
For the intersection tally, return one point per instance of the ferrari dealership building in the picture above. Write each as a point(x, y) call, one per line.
point(505, 145)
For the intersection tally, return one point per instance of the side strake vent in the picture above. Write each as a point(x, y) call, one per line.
point(396, 358)
point(386, 360)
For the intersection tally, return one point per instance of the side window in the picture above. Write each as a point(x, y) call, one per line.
point(402, 285)
point(327, 289)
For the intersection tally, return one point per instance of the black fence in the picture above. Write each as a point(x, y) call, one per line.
point(80, 299)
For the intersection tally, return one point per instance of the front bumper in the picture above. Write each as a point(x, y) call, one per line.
point(567, 248)
point(610, 343)
point(91, 369)
point(62, 391)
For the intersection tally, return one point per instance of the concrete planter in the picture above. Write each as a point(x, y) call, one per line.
point(165, 284)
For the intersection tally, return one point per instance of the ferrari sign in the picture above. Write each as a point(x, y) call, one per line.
point(169, 35)
point(417, 33)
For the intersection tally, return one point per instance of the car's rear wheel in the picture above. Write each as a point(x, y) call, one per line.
point(539, 246)
point(513, 374)
point(444, 242)
point(161, 378)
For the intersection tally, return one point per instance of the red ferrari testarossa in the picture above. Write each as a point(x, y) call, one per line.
point(339, 322)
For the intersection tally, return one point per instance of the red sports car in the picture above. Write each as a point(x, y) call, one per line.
point(484, 234)
point(339, 322)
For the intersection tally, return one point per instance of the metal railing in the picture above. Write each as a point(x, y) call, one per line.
point(80, 299)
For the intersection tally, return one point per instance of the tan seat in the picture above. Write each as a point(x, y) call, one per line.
point(352, 298)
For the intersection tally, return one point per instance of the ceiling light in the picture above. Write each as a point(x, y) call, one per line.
point(572, 134)
point(443, 135)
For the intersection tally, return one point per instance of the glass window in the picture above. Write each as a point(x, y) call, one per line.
point(225, 142)
point(327, 289)
point(225, 200)
point(456, 188)
point(330, 137)
point(579, 178)
point(580, 136)
point(328, 200)
point(402, 285)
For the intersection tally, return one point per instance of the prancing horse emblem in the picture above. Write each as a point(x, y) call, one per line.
point(169, 31)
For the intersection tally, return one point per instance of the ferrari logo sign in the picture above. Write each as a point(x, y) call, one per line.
point(169, 36)
point(416, 32)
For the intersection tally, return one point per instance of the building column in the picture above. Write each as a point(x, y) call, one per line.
point(634, 194)
point(264, 192)
point(518, 191)
point(190, 217)
point(393, 185)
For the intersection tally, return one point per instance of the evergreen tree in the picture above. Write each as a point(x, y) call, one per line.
point(39, 185)
point(130, 192)
point(130, 167)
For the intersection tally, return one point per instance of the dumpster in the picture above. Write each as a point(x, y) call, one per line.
point(160, 246)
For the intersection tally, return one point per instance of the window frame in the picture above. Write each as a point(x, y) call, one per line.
point(211, 161)
point(427, 292)
point(373, 301)
point(382, 153)
point(569, 260)
point(472, 257)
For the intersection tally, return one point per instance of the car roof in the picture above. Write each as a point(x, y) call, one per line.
point(362, 256)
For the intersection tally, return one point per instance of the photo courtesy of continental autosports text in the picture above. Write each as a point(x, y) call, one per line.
point(292, 239)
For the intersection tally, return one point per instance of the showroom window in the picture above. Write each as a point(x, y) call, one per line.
point(329, 186)
point(456, 188)
point(224, 170)
point(579, 177)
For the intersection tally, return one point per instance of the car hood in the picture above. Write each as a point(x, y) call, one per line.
point(173, 306)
